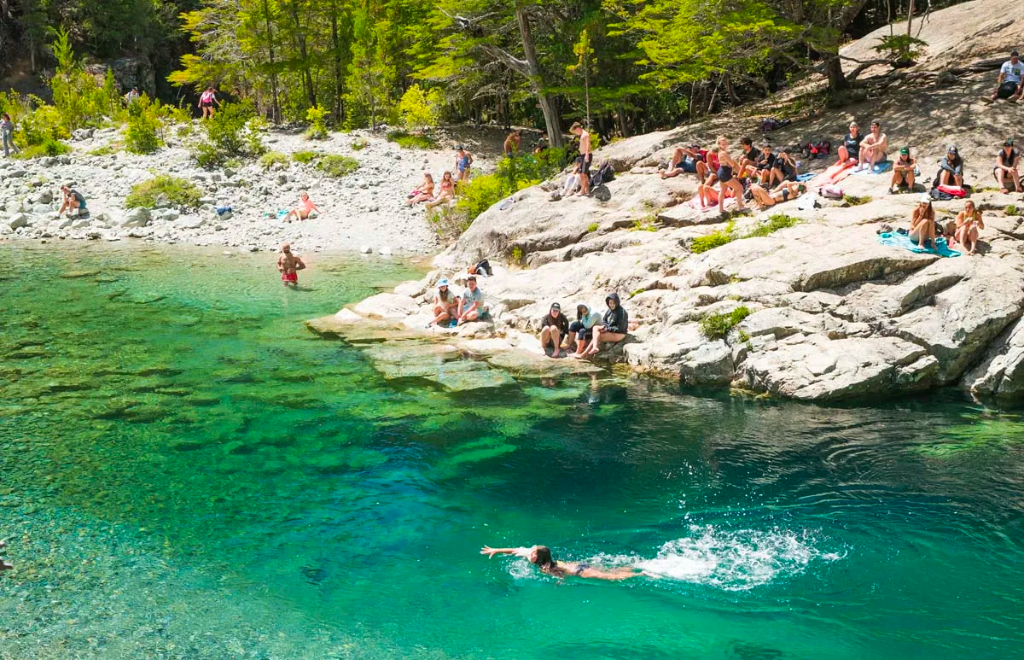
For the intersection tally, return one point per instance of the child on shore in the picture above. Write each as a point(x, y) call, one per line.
point(289, 266)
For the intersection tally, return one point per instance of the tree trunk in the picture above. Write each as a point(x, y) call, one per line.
point(547, 105)
point(339, 79)
point(910, 19)
point(836, 78)
point(623, 127)
point(275, 108)
point(300, 41)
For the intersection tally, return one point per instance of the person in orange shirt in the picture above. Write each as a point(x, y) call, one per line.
point(302, 211)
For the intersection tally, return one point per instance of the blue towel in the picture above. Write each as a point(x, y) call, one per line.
point(903, 241)
point(802, 178)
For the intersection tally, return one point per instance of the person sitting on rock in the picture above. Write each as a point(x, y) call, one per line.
point(849, 150)
point(748, 158)
point(554, 328)
point(968, 226)
point(873, 148)
point(471, 306)
point(922, 222)
point(289, 266)
point(581, 331)
point(951, 169)
point(785, 192)
point(685, 160)
point(424, 193)
point(727, 169)
point(446, 306)
point(447, 192)
point(903, 171)
point(303, 210)
point(1006, 171)
point(572, 180)
point(73, 202)
point(783, 170)
point(1010, 84)
point(614, 326)
point(765, 164)
point(542, 146)
point(513, 144)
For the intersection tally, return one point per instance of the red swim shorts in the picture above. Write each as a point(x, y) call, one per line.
point(290, 277)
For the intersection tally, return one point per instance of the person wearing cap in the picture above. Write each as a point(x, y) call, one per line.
point(446, 304)
point(951, 169)
point(1010, 85)
point(471, 305)
point(1006, 170)
point(903, 171)
point(874, 147)
point(922, 222)
point(463, 161)
point(554, 328)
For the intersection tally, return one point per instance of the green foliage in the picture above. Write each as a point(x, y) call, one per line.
point(517, 255)
point(80, 100)
point(272, 158)
point(142, 133)
point(105, 150)
point(421, 109)
point(305, 157)
point(232, 132)
point(854, 200)
point(43, 125)
point(717, 238)
point(408, 140)
point(359, 145)
point(317, 118)
point(337, 166)
point(1011, 209)
point(592, 227)
point(900, 49)
point(717, 326)
point(46, 148)
point(448, 222)
point(775, 223)
point(180, 192)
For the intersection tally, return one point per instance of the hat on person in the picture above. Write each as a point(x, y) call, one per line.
point(925, 198)
point(442, 282)
point(952, 149)
point(905, 151)
point(556, 306)
point(1008, 142)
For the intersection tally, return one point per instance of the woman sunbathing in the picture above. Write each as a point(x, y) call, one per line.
point(968, 224)
point(424, 193)
point(787, 191)
point(302, 211)
point(922, 222)
point(447, 192)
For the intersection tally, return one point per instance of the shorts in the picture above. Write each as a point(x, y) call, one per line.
point(1007, 89)
point(724, 173)
point(586, 164)
point(687, 165)
point(292, 278)
point(206, 104)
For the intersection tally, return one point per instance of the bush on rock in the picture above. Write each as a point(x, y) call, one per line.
point(337, 166)
point(178, 192)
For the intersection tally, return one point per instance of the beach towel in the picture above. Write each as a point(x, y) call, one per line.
point(903, 241)
point(802, 178)
point(884, 166)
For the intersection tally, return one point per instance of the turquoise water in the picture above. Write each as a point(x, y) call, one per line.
point(186, 472)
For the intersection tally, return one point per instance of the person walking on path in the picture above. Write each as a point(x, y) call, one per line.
point(7, 131)
point(206, 102)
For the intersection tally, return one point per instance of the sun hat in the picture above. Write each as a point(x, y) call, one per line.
point(925, 198)
point(442, 282)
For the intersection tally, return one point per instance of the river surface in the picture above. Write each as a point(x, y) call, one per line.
point(187, 473)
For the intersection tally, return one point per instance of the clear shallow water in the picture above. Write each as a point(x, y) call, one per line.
point(185, 472)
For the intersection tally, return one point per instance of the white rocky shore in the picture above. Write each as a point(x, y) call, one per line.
point(362, 210)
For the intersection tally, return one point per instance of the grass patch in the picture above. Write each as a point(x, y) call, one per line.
point(854, 200)
point(517, 255)
point(592, 227)
point(272, 158)
point(105, 150)
point(359, 145)
point(337, 166)
point(1012, 209)
point(774, 224)
point(50, 148)
point(717, 238)
point(305, 157)
point(717, 326)
point(180, 192)
point(408, 140)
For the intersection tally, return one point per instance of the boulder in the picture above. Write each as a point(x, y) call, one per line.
point(18, 220)
point(387, 306)
point(138, 217)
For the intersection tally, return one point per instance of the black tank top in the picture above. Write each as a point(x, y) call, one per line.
point(852, 144)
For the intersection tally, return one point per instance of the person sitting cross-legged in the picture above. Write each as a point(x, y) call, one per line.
point(1010, 85)
point(554, 330)
point(903, 171)
point(1007, 171)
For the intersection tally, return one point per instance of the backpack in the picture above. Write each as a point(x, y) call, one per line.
point(953, 191)
point(831, 192)
point(940, 196)
point(819, 150)
point(604, 174)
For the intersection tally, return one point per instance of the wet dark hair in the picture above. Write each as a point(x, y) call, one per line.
point(747, 142)
point(546, 563)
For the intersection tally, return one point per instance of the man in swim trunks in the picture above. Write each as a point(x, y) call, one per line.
point(289, 266)
point(1010, 85)
point(513, 144)
point(764, 164)
point(540, 556)
point(748, 159)
point(684, 160)
point(463, 161)
point(873, 147)
point(1006, 169)
point(588, 157)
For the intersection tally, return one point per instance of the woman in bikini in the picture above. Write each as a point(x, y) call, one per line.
point(447, 192)
point(726, 169)
point(302, 211)
point(968, 224)
point(206, 101)
point(540, 556)
point(424, 193)
point(922, 222)
point(785, 192)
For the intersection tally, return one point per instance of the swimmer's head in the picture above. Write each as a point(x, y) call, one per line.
point(541, 556)
point(286, 248)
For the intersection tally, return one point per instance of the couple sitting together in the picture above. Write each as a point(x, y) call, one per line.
point(451, 310)
point(425, 191)
point(583, 336)
point(965, 232)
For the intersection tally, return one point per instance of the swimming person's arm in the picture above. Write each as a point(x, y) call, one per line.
point(490, 552)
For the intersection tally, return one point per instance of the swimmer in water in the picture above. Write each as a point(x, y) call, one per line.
point(540, 555)
point(4, 566)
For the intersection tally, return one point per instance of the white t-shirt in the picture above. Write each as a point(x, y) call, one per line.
point(1012, 72)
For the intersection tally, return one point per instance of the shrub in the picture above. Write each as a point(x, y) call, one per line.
point(272, 158)
point(105, 150)
point(359, 145)
point(77, 97)
point(448, 223)
point(142, 133)
point(317, 118)
point(43, 125)
point(853, 200)
point(337, 166)
point(180, 191)
point(592, 227)
point(305, 157)
point(774, 224)
point(717, 326)
point(517, 255)
point(1011, 209)
point(717, 238)
point(232, 132)
point(421, 109)
point(49, 148)
point(408, 140)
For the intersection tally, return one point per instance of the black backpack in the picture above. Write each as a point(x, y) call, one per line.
point(604, 174)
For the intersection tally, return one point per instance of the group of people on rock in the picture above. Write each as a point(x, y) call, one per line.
point(433, 194)
point(964, 232)
point(582, 336)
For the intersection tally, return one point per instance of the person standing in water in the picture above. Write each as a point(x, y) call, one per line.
point(289, 266)
point(540, 556)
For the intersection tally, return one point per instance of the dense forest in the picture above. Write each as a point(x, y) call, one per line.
point(623, 66)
